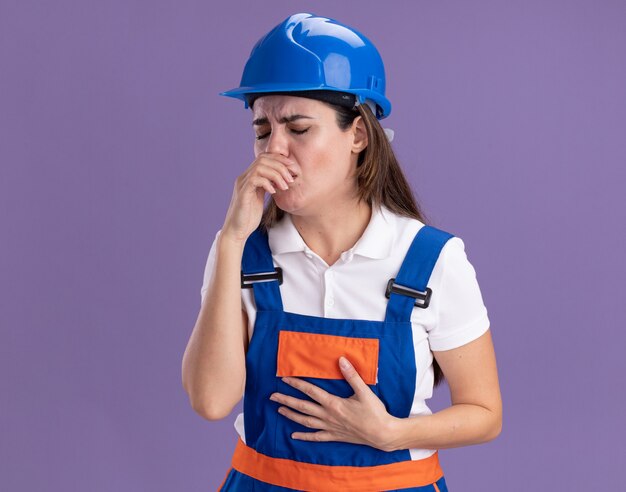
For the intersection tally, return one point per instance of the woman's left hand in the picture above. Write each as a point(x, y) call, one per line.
point(360, 419)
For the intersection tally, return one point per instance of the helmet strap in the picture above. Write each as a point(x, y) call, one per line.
point(369, 102)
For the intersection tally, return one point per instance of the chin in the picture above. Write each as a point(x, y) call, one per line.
point(288, 205)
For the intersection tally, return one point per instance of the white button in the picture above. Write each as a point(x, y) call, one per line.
point(329, 274)
point(330, 302)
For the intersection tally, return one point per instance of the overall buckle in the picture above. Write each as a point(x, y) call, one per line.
point(248, 279)
point(422, 299)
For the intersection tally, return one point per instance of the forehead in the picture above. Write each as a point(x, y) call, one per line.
point(276, 106)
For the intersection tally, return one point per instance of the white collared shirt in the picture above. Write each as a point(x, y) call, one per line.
point(354, 287)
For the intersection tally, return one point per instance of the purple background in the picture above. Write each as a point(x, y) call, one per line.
point(117, 163)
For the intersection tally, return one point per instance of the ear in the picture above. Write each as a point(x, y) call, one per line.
point(360, 135)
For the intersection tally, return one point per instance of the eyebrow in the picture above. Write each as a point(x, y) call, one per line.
point(284, 119)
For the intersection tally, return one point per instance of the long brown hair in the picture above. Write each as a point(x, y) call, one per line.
point(380, 179)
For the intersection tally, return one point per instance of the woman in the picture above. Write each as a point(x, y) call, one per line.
point(325, 308)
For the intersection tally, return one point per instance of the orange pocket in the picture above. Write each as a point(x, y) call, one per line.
point(317, 356)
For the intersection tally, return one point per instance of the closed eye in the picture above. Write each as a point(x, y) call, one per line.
point(297, 132)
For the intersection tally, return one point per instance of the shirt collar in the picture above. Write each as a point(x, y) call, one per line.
point(375, 242)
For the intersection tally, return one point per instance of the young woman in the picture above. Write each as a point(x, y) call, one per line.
point(334, 309)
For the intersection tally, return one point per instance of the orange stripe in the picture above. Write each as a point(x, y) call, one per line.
point(317, 355)
point(308, 476)
point(436, 488)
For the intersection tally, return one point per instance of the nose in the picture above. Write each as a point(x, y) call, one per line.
point(277, 142)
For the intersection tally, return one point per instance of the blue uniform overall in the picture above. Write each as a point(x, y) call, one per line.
point(270, 460)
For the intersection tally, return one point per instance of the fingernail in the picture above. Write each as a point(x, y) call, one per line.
point(273, 397)
point(343, 362)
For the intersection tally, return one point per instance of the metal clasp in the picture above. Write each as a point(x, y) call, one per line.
point(422, 299)
point(248, 279)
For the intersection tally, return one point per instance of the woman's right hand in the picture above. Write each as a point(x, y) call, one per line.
point(267, 173)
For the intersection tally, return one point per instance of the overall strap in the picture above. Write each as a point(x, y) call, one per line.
point(409, 288)
point(259, 273)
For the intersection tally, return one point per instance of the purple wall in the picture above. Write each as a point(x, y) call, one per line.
point(117, 162)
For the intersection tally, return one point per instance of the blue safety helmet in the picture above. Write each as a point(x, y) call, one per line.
point(306, 52)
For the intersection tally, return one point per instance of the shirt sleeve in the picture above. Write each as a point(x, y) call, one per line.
point(461, 313)
point(208, 268)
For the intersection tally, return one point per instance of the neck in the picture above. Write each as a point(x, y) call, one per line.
point(335, 230)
